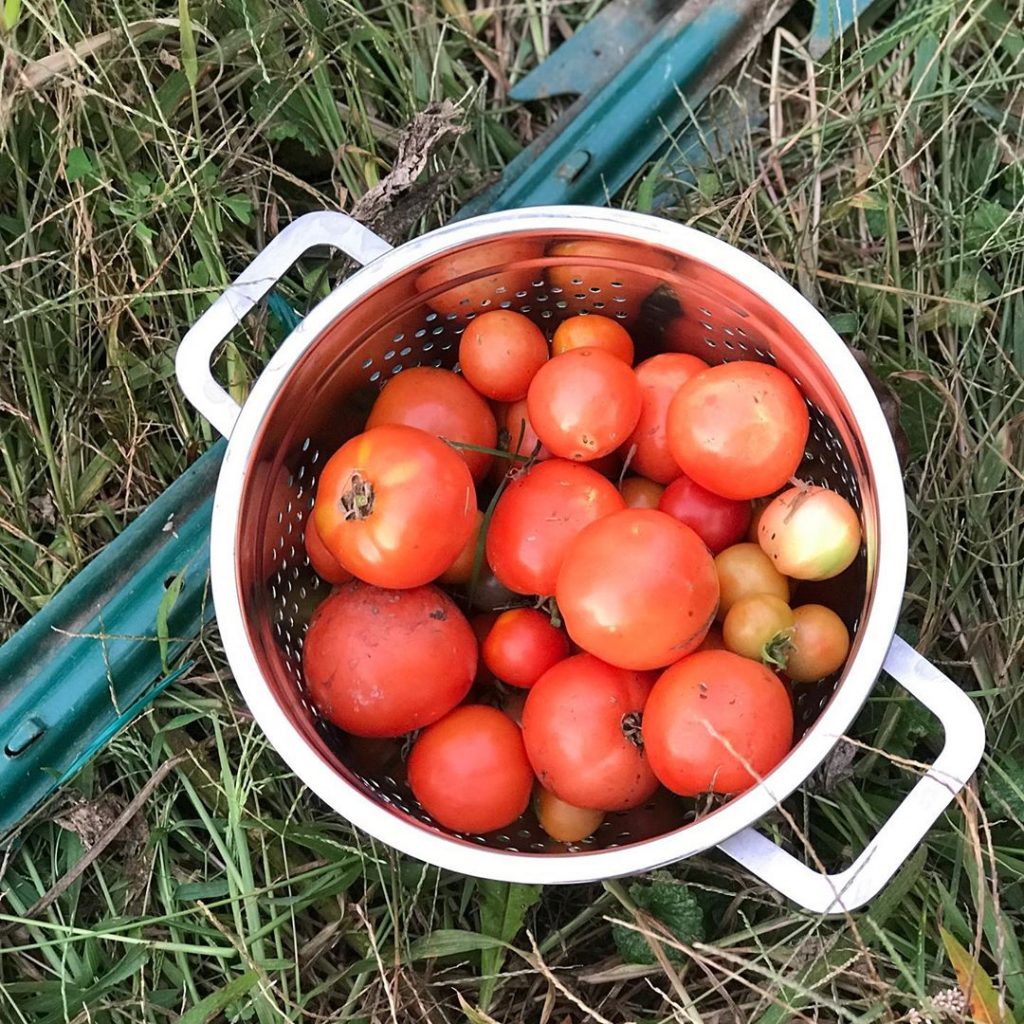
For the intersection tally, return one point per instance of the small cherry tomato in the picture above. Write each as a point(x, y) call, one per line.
point(744, 570)
point(810, 533)
point(460, 572)
point(584, 403)
point(581, 726)
point(500, 352)
point(469, 770)
point(365, 644)
point(716, 722)
point(443, 404)
point(639, 492)
point(719, 522)
point(738, 429)
point(820, 644)
point(637, 589)
point(324, 564)
point(522, 645)
point(564, 822)
point(760, 627)
point(659, 377)
point(395, 506)
point(522, 438)
point(536, 517)
point(589, 330)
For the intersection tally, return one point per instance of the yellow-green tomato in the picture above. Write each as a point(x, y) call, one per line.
point(810, 533)
point(759, 627)
point(565, 823)
point(744, 570)
point(819, 646)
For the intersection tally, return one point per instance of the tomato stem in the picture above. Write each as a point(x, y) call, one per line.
point(630, 724)
point(357, 501)
point(776, 652)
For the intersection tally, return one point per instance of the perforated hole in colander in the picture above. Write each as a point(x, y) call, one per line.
point(673, 311)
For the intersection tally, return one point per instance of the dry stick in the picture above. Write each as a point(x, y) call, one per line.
point(111, 833)
point(537, 963)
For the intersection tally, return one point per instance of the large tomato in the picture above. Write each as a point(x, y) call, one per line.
point(606, 275)
point(395, 506)
point(500, 352)
point(522, 645)
point(659, 377)
point(718, 521)
point(593, 331)
point(584, 403)
point(470, 772)
point(637, 589)
point(481, 277)
point(537, 516)
point(365, 646)
point(738, 429)
point(716, 722)
point(581, 725)
point(441, 403)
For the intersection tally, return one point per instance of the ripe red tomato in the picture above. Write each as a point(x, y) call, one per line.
point(474, 283)
point(738, 429)
point(537, 516)
point(637, 589)
point(522, 645)
point(590, 330)
point(395, 506)
point(581, 725)
point(563, 822)
point(639, 492)
point(584, 403)
point(659, 377)
point(500, 352)
point(470, 772)
point(716, 722)
point(365, 644)
point(460, 572)
point(522, 438)
point(324, 564)
point(441, 403)
point(719, 522)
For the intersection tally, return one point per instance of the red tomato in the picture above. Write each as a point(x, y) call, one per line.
point(482, 276)
point(365, 644)
point(537, 516)
point(639, 492)
point(581, 728)
point(637, 589)
point(719, 522)
point(470, 772)
point(584, 403)
point(395, 506)
point(500, 352)
point(716, 722)
point(460, 572)
point(738, 429)
point(600, 276)
point(660, 377)
point(590, 330)
point(441, 403)
point(522, 645)
point(324, 564)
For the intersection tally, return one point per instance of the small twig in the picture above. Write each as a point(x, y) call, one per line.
point(111, 833)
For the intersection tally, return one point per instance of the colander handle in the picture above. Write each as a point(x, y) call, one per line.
point(195, 352)
point(906, 827)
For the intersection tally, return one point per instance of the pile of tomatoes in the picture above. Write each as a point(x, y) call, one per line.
point(600, 557)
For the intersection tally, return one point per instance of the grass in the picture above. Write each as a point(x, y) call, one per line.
point(887, 185)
